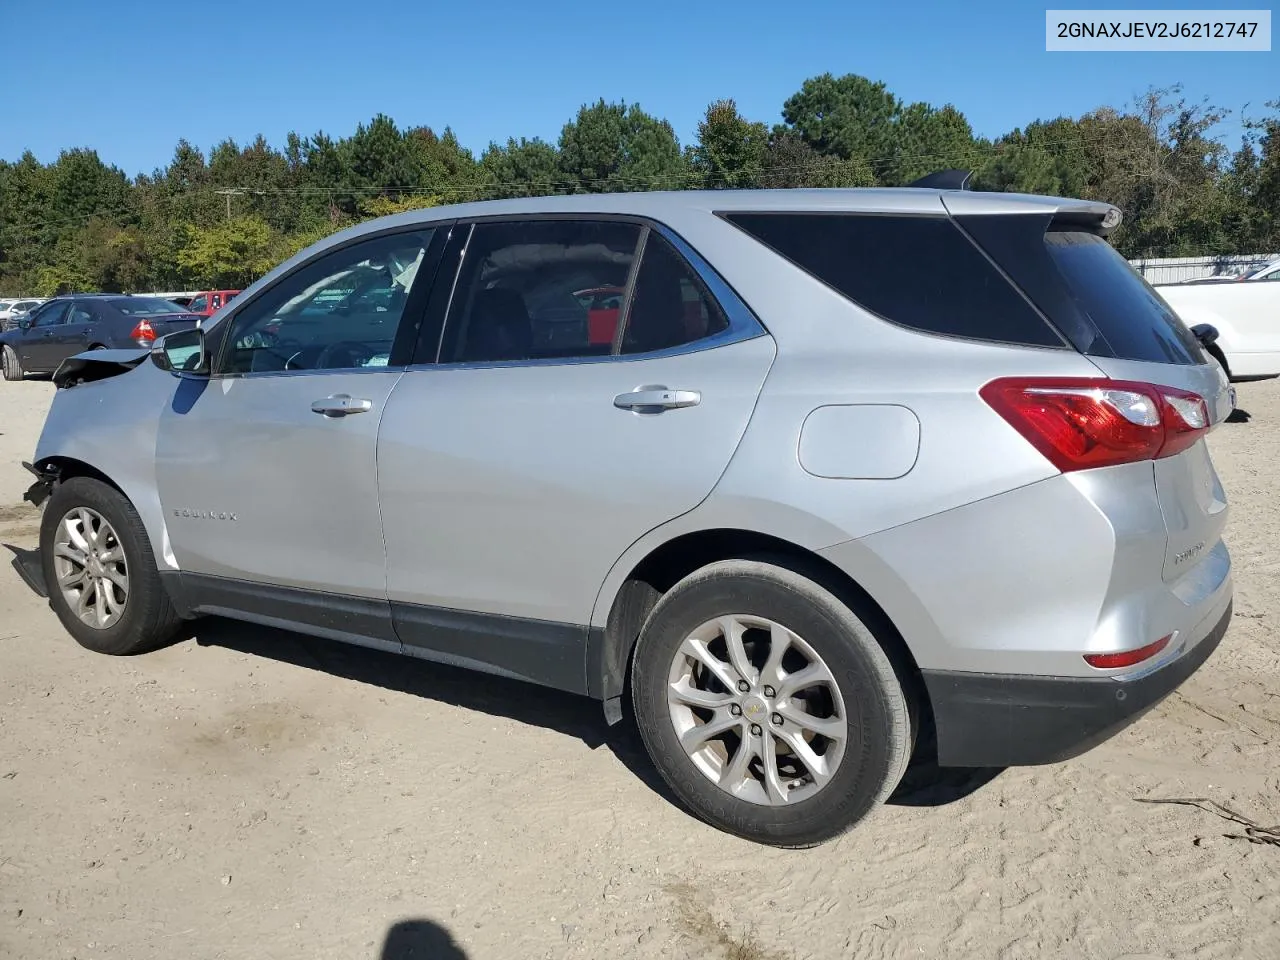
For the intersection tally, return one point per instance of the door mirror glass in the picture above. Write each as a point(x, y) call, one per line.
point(24, 323)
point(182, 352)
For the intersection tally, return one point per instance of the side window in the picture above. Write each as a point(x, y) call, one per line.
point(339, 312)
point(198, 304)
point(80, 313)
point(670, 306)
point(527, 290)
point(55, 314)
point(875, 261)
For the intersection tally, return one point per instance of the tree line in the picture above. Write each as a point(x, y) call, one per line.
point(223, 220)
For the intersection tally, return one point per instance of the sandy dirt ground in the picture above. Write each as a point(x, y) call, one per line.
point(253, 794)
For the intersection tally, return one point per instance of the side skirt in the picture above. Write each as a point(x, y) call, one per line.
point(542, 652)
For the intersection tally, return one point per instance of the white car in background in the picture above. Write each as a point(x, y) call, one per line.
point(1270, 272)
point(12, 310)
point(1246, 315)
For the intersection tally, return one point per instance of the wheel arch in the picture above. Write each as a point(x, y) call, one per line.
point(60, 467)
point(610, 645)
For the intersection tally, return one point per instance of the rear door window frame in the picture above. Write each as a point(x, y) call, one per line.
point(743, 324)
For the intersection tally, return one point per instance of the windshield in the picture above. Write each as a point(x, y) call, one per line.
point(145, 306)
point(1270, 270)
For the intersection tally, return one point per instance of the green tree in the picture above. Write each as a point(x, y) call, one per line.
point(229, 254)
point(523, 168)
point(730, 151)
point(790, 162)
point(847, 117)
point(611, 147)
point(928, 139)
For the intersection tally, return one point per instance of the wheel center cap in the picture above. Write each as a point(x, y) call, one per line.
point(754, 708)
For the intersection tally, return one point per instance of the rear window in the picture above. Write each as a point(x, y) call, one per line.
point(1134, 320)
point(1085, 287)
point(919, 272)
point(145, 306)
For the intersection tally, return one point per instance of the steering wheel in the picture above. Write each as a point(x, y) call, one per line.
point(360, 354)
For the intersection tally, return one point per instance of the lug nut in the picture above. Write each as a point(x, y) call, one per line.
point(743, 686)
point(769, 692)
point(755, 730)
point(735, 709)
point(777, 719)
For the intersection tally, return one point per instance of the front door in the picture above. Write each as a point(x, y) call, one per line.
point(38, 347)
point(515, 472)
point(267, 470)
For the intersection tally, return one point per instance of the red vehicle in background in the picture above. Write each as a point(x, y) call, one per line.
point(209, 302)
point(604, 303)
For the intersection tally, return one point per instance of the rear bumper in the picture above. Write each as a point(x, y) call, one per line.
point(1000, 720)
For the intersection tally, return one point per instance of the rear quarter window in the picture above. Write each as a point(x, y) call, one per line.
point(919, 272)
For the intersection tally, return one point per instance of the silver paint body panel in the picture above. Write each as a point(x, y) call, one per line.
point(521, 490)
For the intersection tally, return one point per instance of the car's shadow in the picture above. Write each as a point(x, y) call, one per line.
point(925, 784)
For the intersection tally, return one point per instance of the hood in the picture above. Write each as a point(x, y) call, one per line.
point(97, 365)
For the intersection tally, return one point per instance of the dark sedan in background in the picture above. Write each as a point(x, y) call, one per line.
point(65, 326)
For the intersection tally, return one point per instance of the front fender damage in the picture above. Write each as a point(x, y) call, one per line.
point(97, 365)
point(47, 477)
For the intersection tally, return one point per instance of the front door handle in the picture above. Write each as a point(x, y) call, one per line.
point(656, 399)
point(341, 405)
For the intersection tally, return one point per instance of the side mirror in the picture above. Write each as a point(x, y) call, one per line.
point(1206, 333)
point(182, 353)
point(24, 323)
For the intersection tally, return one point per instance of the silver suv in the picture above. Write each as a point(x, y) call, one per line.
point(733, 462)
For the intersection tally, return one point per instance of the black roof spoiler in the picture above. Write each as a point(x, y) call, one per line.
point(945, 180)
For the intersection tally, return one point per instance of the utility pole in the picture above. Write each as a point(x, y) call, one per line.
point(229, 193)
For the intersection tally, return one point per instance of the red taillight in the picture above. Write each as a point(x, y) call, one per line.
point(1078, 423)
point(1109, 661)
point(143, 331)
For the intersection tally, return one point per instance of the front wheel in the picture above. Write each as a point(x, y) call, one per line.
point(768, 706)
point(99, 570)
point(11, 364)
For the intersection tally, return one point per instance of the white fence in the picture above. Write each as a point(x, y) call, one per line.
point(1177, 269)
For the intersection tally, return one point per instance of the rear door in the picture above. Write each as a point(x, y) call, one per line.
point(73, 336)
point(514, 472)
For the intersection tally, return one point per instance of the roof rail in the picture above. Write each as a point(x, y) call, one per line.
point(945, 180)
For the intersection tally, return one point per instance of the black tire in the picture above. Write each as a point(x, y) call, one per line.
point(12, 364)
point(149, 619)
point(879, 732)
point(1216, 353)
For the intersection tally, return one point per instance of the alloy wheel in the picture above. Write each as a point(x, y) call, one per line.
point(757, 710)
point(90, 566)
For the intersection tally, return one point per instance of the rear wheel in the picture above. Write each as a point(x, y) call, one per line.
point(12, 364)
point(768, 706)
point(99, 570)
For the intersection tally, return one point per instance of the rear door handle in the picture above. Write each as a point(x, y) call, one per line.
point(341, 405)
point(656, 399)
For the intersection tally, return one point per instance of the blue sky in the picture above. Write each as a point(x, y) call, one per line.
point(131, 83)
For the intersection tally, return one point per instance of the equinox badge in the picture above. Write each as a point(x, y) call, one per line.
point(204, 514)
